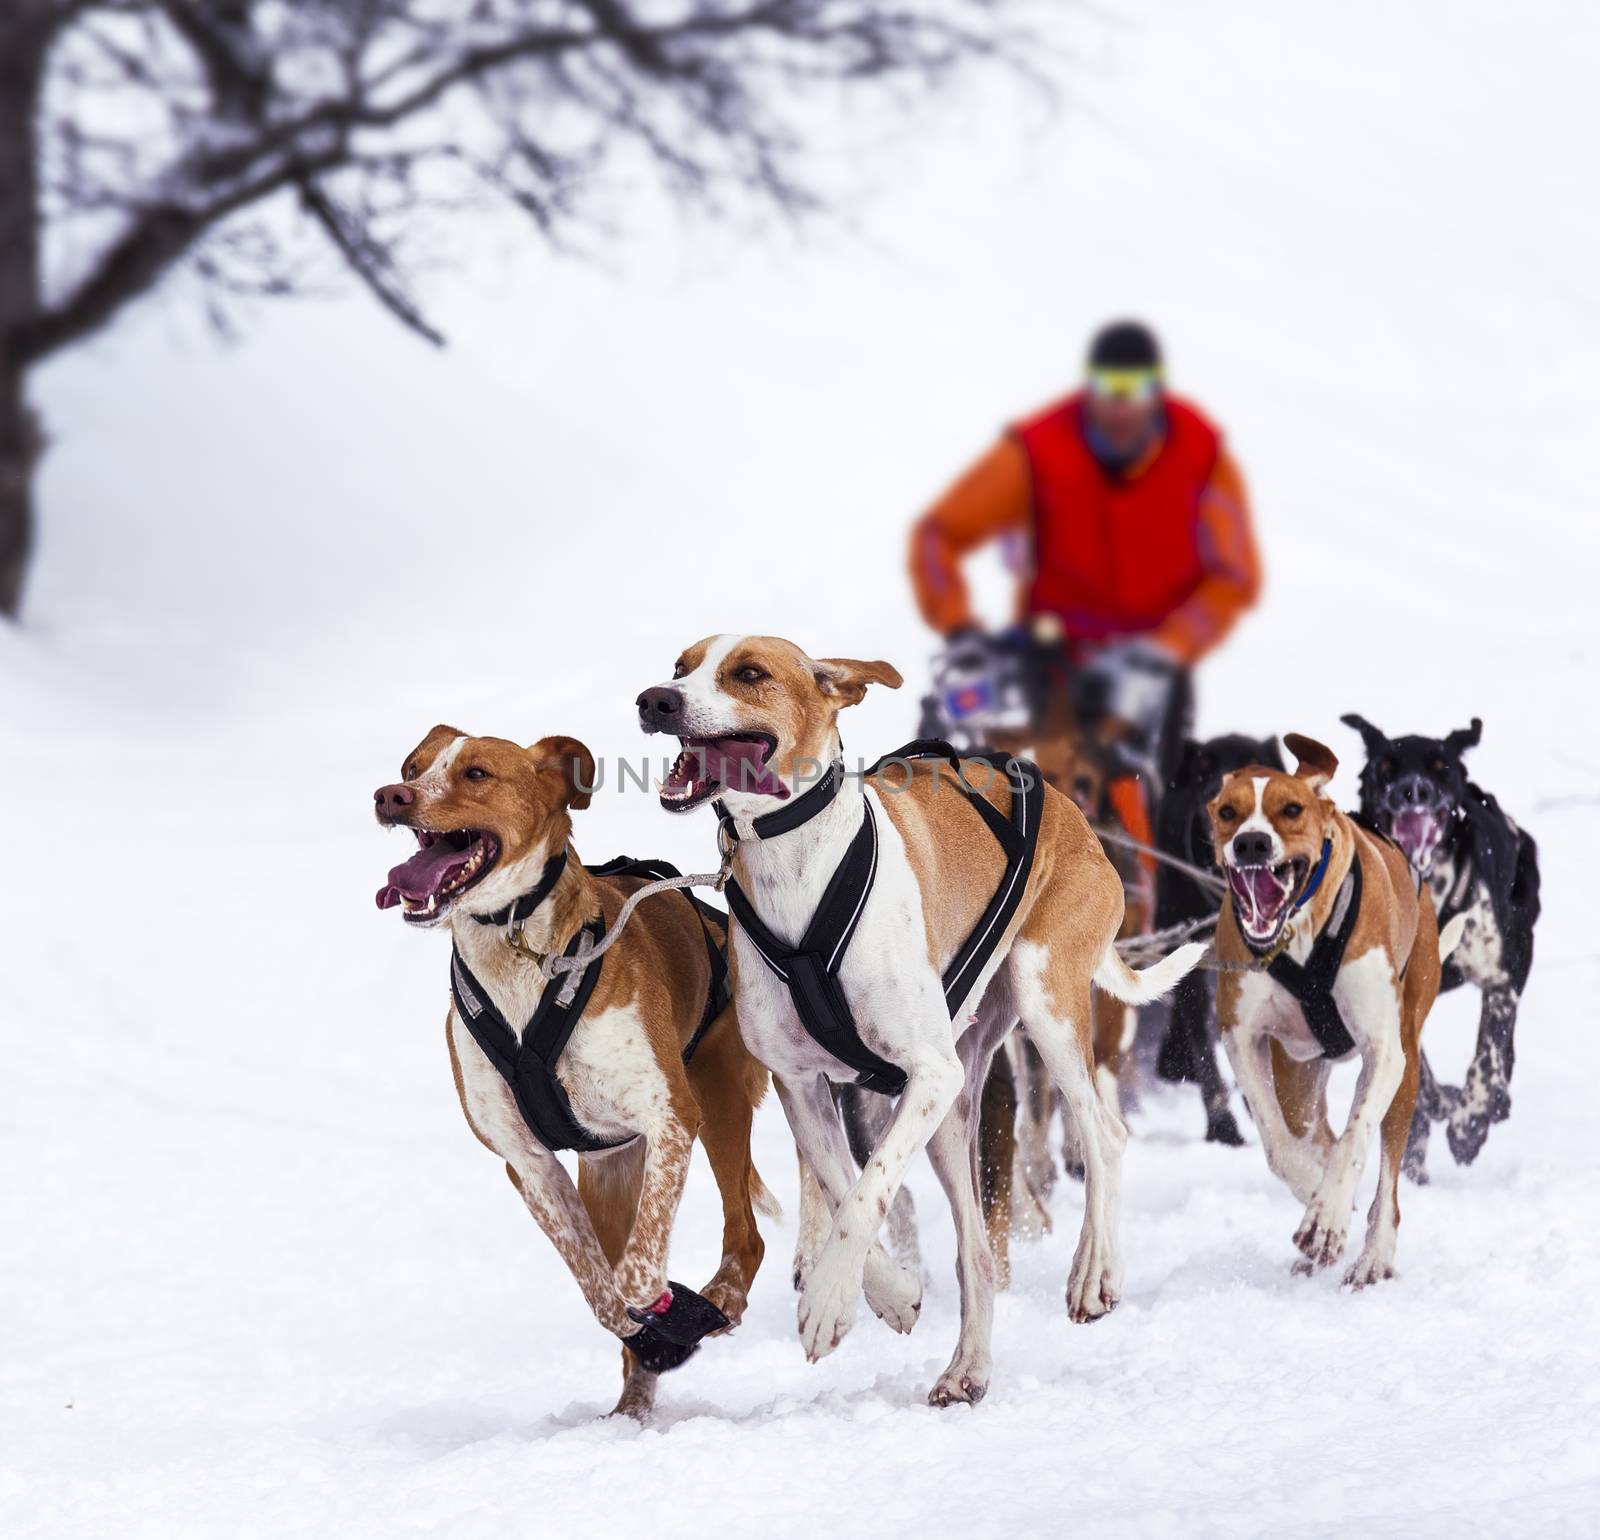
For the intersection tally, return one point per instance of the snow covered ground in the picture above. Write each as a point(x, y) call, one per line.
point(258, 1279)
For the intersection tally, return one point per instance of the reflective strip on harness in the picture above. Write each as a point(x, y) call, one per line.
point(811, 969)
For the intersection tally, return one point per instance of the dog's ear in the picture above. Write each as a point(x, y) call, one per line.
point(848, 678)
point(1376, 742)
point(1317, 763)
point(570, 760)
point(1272, 753)
point(1464, 738)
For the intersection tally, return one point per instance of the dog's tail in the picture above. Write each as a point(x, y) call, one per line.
point(1141, 986)
point(1450, 936)
point(761, 1198)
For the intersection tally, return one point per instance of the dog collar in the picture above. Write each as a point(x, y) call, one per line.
point(1315, 880)
point(520, 908)
point(788, 817)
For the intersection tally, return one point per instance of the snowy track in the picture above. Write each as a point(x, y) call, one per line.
point(257, 1279)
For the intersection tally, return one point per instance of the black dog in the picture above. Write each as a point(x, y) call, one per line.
point(1189, 1050)
point(1477, 863)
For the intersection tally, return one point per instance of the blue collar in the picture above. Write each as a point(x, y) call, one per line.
point(1317, 875)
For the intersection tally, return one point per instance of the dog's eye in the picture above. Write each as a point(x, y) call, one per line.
point(1226, 815)
point(1439, 767)
point(1292, 810)
point(410, 772)
point(749, 674)
point(678, 670)
point(1386, 767)
point(477, 773)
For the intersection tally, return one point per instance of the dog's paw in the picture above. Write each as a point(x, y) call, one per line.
point(1372, 1266)
point(730, 1299)
point(1466, 1132)
point(1224, 1129)
point(1323, 1232)
point(1094, 1286)
point(827, 1308)
point(893, 1293)
point(964, 1383)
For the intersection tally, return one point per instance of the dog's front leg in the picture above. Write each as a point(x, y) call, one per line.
point(893, 1292)
point(553, 1201)
point(1296, 1162)
point(641, 1272)
point(1485, 1098)
point(1368, 1000)
point(828, 1302)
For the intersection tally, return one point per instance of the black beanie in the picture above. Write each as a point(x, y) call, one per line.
point(1125, 345)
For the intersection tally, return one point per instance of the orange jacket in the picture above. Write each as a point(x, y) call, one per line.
point(995, 498)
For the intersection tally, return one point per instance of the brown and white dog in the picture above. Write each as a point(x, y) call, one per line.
point(1271, 828)
point(757, 718)
point(488, 815)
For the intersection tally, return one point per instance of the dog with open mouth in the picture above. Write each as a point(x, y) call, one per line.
point(1183, 830)
point(1329, 951)
point(626, 1059)
point(891, 928)
point(1479, 864)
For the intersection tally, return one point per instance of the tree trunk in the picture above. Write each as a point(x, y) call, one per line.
point(16, 495)
point(24, 33)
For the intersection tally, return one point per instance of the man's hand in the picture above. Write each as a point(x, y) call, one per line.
point(1132, 680)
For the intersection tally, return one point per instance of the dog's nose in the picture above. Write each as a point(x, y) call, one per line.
point(390, 799)
point(1414, 791)
point(659, 709)
point(1253, 849)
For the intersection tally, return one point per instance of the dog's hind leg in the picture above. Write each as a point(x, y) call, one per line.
point(894, 1293)
point(728, 1084)
point(609, 1187)
point(1485, 1098)
point(951, 1151)
point(1433, 1106)
point(1036, 1096)
point(1051, 989)
point(997, 1153)
point(1191, 1017)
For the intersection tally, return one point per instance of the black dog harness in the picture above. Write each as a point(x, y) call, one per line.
point(811, 968)
point(1311, 982)
point(527, 1063)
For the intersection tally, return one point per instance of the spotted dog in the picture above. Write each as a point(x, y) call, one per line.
point(1329, 951)
point(757, 721)
point(653, 1059)
point(1477, 864)
point(1183, 830)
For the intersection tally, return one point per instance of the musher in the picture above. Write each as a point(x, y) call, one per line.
point(1139, 556)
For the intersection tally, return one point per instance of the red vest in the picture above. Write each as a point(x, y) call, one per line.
point(1113, 556)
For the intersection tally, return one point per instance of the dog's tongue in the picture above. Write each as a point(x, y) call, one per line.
point(422, 874)
point(1415, 831)
point(1257, 882)
point(735, 764)
point(1260, 889)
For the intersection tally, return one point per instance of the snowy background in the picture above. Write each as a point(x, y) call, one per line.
point(257, 1279)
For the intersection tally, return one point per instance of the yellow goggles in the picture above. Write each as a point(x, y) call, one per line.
point(1125, 384)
